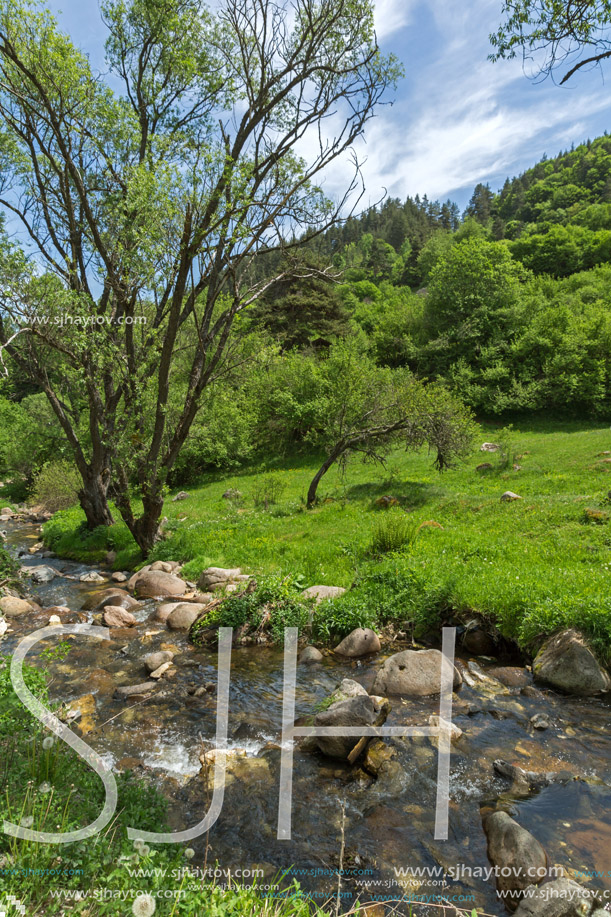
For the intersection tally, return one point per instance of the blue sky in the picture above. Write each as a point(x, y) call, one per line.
point(457, 119)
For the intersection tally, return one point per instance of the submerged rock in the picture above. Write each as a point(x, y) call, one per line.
point(560, 898)
point(310, 655)
point(565, 661)
point(43, 574)
point(153, 661)
point(360, 642)
point(413, 672)
point(520, 858)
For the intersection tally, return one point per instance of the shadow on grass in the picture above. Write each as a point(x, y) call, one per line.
point(409, 493)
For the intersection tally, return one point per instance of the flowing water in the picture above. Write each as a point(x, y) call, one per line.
point(389, 821)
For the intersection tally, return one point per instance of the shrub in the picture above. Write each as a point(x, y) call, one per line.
point(268, 490)
point(394, 532)
point(56, 486)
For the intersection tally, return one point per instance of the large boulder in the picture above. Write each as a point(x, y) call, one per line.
point(560, 898)
point(156, 583)
point(184, 615)
point(321, 593)
point(413, 672)
point(114, 616)
point(519, 857)
point(566, 662)
point(359, 642)
point(12, 607)
point(355, 711)
point(216, 577)
point(43, 574)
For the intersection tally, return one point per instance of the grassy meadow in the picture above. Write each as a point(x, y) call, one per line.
point(530, 565)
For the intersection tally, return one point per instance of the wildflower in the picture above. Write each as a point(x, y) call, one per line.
point(48, 742)
point(27, 821)
point(144, 850)
point(144, 906)
point(138, 843)
point(44, 787)
point(189, 853)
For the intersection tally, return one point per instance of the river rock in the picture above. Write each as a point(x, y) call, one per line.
point(512, 676)
point(96, 599)
point(115, 616)
point(156, 583)
point(560, 898)
point(348, 687)
point(214, 578)
point(12, 607)
point(509, 497)
point(321, 593)
point(130, 690)
point(119, 599)
point(165, 566)
point(413, 672)
point(6, 511)
point(91, 577)
point(163, 611)
point(520, 858)
point(118, 577)
point(566, 662)
point(310, 655)
point(153, 661)
point(355, 711)
point(43, 574)
point(183, 616)
point(360, 642)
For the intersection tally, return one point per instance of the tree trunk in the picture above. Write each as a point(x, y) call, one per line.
point(93, 498)
point(144, 529)
point(321, 471)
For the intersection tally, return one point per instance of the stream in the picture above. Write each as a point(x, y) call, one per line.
point(389, 821)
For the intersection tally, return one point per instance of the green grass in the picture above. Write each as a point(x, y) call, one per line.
point(530, 565)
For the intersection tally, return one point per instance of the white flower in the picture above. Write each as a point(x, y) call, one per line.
point(44, 787)
point(144, 906)
point(189, 853)
point(138, 843)
point(144, 850)
point(48, 742)
point(27, 821)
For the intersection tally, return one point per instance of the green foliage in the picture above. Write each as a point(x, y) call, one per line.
point(56, 486)
point(275, 603)
point(394, 532)
point(9, 568)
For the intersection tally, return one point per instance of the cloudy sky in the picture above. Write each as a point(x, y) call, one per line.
point(457, 118)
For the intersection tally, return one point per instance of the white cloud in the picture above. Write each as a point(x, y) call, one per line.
point(391, 16)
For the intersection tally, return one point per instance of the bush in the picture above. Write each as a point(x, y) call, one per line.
point(268, 490)
point(274, 604)
point(393, 533)
point(56, 486)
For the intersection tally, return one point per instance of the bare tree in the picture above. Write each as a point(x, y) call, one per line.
point(565, 35)
point(146, 207)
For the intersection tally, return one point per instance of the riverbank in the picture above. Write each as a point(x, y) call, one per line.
point(446, 544)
